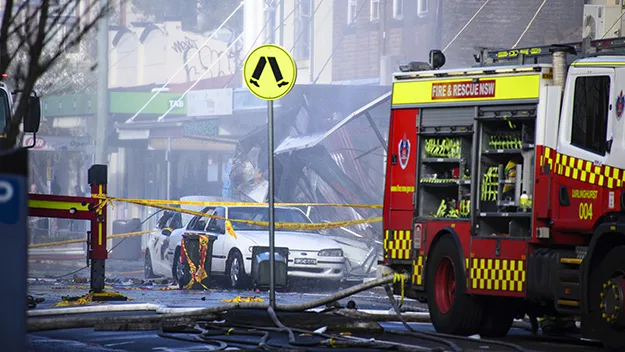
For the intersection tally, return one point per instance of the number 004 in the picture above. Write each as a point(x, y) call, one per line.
point(585, 211)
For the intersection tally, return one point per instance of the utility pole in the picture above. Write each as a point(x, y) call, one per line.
point(98, 264)
point(103, 88)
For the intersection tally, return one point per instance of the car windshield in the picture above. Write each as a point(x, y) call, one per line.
point(262, 214)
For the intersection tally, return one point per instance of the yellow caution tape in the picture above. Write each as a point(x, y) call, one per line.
point(233, 204)
point(230, 229)
point(61, 243)
point(239, 299)
point(278, 225)
point(169, 288)
point(88, 298)
point(198, 274)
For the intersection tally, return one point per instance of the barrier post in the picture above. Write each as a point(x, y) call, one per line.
point(14, 249)
point(97, 178)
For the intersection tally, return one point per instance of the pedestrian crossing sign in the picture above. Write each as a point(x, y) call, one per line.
point(269, 72)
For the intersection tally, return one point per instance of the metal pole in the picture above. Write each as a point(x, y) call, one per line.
point(103, 86)
point(271, 8)
point(272, 259)
point(168, 159)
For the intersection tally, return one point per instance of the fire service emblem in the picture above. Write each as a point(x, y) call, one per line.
point(404, 152)
point(620, 104)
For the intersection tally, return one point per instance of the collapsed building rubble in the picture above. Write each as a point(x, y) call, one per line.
point(324, 154)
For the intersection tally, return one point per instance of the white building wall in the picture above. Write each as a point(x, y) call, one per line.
point(162, 55)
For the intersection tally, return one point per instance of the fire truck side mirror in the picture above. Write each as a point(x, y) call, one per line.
point(32, 119)
point(437, 59)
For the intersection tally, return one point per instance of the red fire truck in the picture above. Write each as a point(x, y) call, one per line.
point(505, 188)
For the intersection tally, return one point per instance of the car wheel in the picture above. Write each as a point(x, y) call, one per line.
point(184, 275)
point(177, 269)
point(235, 271)
point(148, 271)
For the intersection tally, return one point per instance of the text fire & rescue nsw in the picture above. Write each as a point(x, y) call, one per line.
point(465, 89)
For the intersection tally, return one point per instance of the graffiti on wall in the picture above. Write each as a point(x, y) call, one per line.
point(207, 59)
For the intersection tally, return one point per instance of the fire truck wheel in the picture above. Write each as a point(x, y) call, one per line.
point(452, 311)
point(499, 315)
point(606, 301)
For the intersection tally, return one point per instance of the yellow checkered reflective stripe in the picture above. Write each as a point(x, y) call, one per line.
point(397, 244)
point(582, 170)
point(497, 274)
point(417, 270)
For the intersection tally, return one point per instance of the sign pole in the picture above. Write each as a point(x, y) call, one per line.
point(272, 259)
point(270, 73)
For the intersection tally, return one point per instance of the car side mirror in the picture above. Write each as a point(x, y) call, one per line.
point(166, 232)
point(32, 118)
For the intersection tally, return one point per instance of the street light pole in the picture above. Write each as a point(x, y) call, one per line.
point(271, 13)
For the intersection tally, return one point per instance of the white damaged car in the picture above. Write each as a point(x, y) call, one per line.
point(311, 255)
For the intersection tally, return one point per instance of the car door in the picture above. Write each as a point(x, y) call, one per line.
point(216, 228)
point(158, 243)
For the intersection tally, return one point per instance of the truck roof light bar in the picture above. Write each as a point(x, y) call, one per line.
point(605, 46)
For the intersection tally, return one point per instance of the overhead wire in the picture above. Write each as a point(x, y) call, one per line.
point(189, 60)
point(529, 24)
point(466, 25)
point(173, 106)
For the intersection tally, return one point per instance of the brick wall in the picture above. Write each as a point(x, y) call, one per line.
point(501, 22)
point(355, 46)
point(360, 45)
point(499, 25)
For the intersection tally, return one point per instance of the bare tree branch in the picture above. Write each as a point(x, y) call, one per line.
point(31, 45)
point(5, 58)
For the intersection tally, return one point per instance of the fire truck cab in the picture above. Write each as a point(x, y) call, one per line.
point(31, 116)
point(505, 191)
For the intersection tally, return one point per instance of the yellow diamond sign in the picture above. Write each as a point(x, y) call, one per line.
point(269, 72)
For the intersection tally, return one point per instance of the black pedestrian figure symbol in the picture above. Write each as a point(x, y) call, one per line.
point(260, 66)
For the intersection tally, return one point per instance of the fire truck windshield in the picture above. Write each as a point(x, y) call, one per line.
point(4, 111)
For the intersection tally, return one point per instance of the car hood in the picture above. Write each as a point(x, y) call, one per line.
point(291, 240)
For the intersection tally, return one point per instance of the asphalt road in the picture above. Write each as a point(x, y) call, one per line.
point(90, 340)
point(125, 277)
